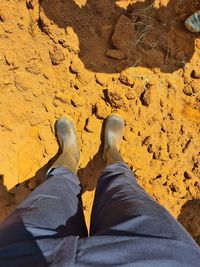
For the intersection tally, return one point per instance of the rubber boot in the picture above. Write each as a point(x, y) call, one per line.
point(112, 139)
point(70, 156)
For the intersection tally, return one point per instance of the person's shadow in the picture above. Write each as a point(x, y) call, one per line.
point(112, 38)
point(189, 217)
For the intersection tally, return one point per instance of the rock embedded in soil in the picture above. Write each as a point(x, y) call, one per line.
point(12, 60)
point(195, 86)
point(146, 140)
point(115, 99)
point(130, 94)
point(124, 33)
point(76, 65)
point(146, 97)
point(29, 4)
point(62, 97)
point(187, 90)
point(127, 79)
point(90, 124)
point(195, 74)
point(102, 110)
point(115, 54)
point(101, 78)
point(56, 55)
point(77, 101)
point(187, 175)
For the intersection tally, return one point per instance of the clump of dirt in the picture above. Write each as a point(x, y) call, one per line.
point(87, 59)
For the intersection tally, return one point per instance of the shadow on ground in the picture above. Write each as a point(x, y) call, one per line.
point(190, 218)
point(10, 199)
point(141, 35)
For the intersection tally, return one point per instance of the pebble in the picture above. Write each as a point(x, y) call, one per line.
point(188, 90)
point(62, 97)
point(127, 79)
point(101, 78)
point(195, 74)
point(146, 97)
point(11, 60)
point(90, 124)
point(146, 140)
point(29, 4)
point(124, 33)
point(56, 55)
point(187, 175)
point(115, 54)
point(102, 110)
point(130, 94)
point(116, 99)
point(77, 101)
point(195, 86)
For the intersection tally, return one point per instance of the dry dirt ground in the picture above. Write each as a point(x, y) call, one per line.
point(87, 58)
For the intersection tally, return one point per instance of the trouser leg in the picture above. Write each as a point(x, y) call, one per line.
point(47, 222)
point(122, 208)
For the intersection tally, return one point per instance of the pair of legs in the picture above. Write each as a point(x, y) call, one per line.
point(128, 228)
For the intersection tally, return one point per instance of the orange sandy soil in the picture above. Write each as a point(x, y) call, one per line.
point(86, 59)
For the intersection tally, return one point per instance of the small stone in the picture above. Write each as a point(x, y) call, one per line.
point(146, 140)
point(124, 33)
point(2, 17)
point(127, 79)
point(56, 55)
point(188, 90)
point(29, 4)
point(47, 73)
point(195, 86)
point(76, 65)
point(11, 60)
point(195, 74)
point(156, 155)
point(63, 43)
point(106, 31)
point(150, 148)
point(115, 99)
point(101, 78)
point(33, 68)
point(77, 101)
point(62, 97)
point(102, 110)
point(187, 175)
point(90, 124)
point(130, 94)
point(85, 77)
point(116, 54)
point(146, 97)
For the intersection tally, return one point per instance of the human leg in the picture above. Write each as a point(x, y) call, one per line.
point(51, 218)
point(121, 206)
point(128, 228)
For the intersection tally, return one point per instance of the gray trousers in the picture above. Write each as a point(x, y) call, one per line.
point(128, 228)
